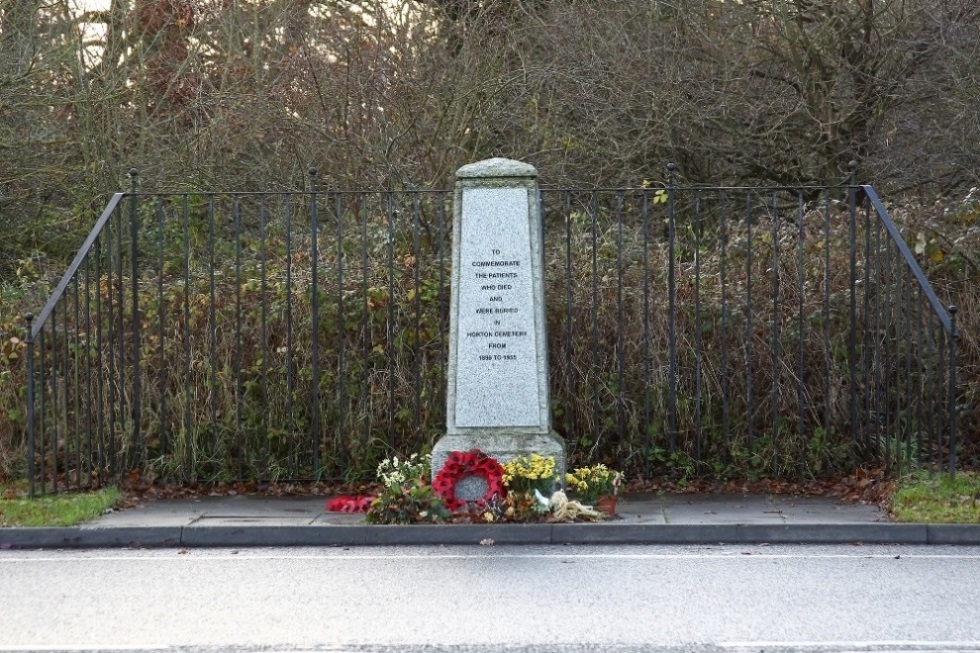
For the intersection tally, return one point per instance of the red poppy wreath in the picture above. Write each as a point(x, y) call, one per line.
point(461, 465)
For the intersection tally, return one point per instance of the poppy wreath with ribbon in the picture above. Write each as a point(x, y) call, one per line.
point(461, 465)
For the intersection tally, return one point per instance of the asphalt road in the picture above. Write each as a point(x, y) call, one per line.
point(725, 599)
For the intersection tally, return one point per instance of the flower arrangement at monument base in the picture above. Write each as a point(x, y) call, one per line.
point(520, 491)
point(406, 497)
point(596, 485)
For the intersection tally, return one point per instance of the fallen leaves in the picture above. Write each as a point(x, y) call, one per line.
point(138, 488)
point(871, 486)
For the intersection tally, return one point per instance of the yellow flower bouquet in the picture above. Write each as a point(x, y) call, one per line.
point(529, 472)
point(593, 482)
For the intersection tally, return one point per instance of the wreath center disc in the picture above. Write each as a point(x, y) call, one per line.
point(472, 485)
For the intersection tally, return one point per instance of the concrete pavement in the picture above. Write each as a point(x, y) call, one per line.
point(254, 521)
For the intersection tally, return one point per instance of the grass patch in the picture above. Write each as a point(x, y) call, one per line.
point(938, 500)
point(60, 510)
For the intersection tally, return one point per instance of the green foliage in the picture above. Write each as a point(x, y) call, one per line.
point(60, 510)
point(412, 503)
point(937, 498)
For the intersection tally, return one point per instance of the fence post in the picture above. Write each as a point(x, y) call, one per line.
point(672, 317)
point(315, 306)
point(953, 337)
point(852, 327)
point(29, 318)
point(134, 272)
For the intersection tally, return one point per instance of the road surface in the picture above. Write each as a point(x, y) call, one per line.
point(721, 599)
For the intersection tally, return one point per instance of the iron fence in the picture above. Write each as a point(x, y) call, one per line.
point(303, 335)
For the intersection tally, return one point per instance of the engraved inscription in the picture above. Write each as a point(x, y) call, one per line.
point(496, 377)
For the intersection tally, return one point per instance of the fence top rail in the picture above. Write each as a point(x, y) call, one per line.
point(687, 189)
point(903, 248)
point(544, 189)
point(76, 263)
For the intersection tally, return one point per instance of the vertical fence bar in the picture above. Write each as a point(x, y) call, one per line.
point(70, 436)
point(188, 385)
point(390, 325)
point(441, 226)
point(933, 391)
point(828, 354)
point(31, 423)
point(594, 354)
point(161, 332)
point(953, 337)
point(672, 308)
point(725, 380)
point(941, 419)
point(571, 419)
point(292, 464)
point(42, 384)
point(698, 333)
point(620, 362)
point(341, 336)
point(907, 380)
point(852, 327)
point(57, 414)
point(647, 434)
point(888, 331)
point(99, 375)
point(417, 311)
point(135, 407)
point(776, 348)
point(213, 326)
point(920, 386)
point(315, 301)
point(239, 395)
point(120, 332)
point(366, 321)
point(749, 329)
point(866, 349)
point(76, 394)
point(875, 393)
point(264, 334)
point(111, 378)
point(88, 367)
point(64, 410)
point(800, 291)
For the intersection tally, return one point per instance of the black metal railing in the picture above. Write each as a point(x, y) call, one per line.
point(303, 335)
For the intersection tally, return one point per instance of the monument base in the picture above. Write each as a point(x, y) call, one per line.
point(501, 446)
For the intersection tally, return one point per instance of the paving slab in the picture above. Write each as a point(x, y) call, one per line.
point(208, 521)
point(763, 509)
point(720, 509)
point(184, 512)
point(338, 519)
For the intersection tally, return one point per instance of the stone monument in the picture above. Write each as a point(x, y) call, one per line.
point(498, 397)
